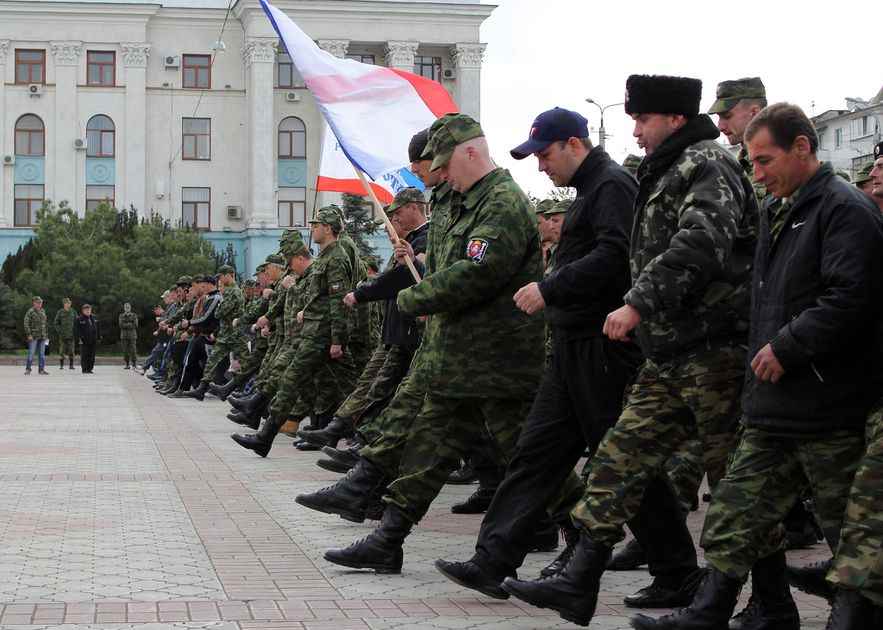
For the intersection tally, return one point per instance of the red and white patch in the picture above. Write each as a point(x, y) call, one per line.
point(476, 249)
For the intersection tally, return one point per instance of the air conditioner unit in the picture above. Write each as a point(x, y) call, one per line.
point(80, 144)
point(449, 73)
point(172, 61)
point(9, 159)
point(234, 212)
point(292, 97)
point(35, 89)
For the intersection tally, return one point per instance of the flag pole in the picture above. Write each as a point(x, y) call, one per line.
point(390, 229)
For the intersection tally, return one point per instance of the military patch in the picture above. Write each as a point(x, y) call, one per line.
point(335, 287)
point(476, 249)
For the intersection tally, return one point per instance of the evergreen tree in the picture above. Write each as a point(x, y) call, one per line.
point(360, 224)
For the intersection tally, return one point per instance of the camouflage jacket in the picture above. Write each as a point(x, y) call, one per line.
point(295, 300)
point(325, 315)
point(748, 167)
point(276, 313)
point(478, 343)
point(253, 310)
point(231, 307)
point(128, 323)
point(692, 245)
point(35, 324)
point(361, 329)
point(64, 323)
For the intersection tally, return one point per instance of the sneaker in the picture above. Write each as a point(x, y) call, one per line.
point(27, 371)
point(43, 372)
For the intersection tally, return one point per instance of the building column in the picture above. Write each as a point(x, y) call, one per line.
point(336, 47)
point(400, 55)
point(134, 179)
point(67, 127)
point(467, 62)
point(259, 55)
point(6, 218)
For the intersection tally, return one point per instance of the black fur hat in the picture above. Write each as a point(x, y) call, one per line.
point(659, 94)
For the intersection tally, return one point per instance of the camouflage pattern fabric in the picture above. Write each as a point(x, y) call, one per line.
point(762, 483)
point(760, 191)
point(228, 339)
point(388, 433)
point(685, 471)
point(66, 347)
point(695, 397)
point(64, 324)
point(128, 323)
point(858, 563)
point(357, 402)
point(385, 377)
point(35, 324)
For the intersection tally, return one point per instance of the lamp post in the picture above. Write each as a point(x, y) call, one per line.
point(602, 136)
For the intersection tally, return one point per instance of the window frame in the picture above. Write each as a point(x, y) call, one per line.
point(112, 64)
point(197, 69)
point(30, 133)
point(97, 202)
point(838, 137)
point(290, 205)
point(297, 81)
point(435, 63)
point(30, 65)
point(32, 213)
point(361, 58)
point(101, 133)
point(291, 135)
point(195, 205)
point(196, 137)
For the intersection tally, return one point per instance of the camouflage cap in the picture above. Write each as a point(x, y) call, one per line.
point(251, 283)
point(729, 93)
point(292, 243)
point(631, 163)
point(225, 269)
point(559, 207)
point(184, 281)
point(372, 262)
point(36, 298)
point(446, 134)
point(864, 174)
point(260, 268)
point(330, 215)
point(841, 173)
point(276, 259)
point(544, 205)
point(404, 197)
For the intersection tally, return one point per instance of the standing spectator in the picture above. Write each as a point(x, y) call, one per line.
point(64, 331)
point(87, 335)
point(129, 335)
point(37, 334)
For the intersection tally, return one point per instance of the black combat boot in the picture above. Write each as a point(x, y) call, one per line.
point(381, 550)
point(351, 496)
point(667, 591)
point(571, 537)
point(811, 579)
point(61, 367)
point(222, 391)
point(248, 403)
point(464, 475)
point(475, 575)
point(770, 606)
point(852, 611)
point(336, 430)
point(545, 539)
point(71, 363)
point(348, 456)
point(572, 593)
point(629, 558)
point(332, 466)
point(199, 392)
point(262, 441)
point(711, 608)
point(251, 421)
point(477, 503)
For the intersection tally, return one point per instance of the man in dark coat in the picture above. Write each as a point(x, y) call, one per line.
point(87, 334)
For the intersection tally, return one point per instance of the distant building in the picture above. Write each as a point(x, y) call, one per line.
point(847, 136)
point(116, 100)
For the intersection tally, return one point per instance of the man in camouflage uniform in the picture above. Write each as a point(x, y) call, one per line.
point(323, 336)
point(36, 334)
point(691, 256)
point(178, 344)
point(64, 332)
point(631, 164)
point(128, 324)
point(256, 344)
point(863, 180)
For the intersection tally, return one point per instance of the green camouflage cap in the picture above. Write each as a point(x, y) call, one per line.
point(403, 198)
point(330, 215)
point(841, 173)
point(544, 205)
point(36, 298)
point(184, 281)
point(251, 283)
point(559, 207)
point(729, 93)
point(260, 268)
point(446, 133)
point(224, 269)
point(276, 259)
point(864, 174)
point(631, 163)
point(372, 262)
point(292, 243)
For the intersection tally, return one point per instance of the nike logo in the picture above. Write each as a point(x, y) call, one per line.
point(794, 226)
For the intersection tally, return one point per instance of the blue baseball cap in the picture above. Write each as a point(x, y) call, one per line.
point(554, 125)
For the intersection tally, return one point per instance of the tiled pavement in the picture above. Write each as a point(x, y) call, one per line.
point(123, 509)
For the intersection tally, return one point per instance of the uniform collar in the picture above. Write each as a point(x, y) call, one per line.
point(474, 196)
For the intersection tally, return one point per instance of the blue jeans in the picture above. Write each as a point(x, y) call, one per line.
point(37, 346)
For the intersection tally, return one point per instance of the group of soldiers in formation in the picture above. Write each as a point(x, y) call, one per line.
point(710, 312)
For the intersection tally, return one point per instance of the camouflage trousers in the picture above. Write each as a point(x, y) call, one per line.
point(764, 479)
point(693, 397)
point(129, 350)
point(220, 351)
point(250, 363)
point(858, 563)
point(384, 371)
point(388, 432)
point(66, 347)
point(277, 364)
point(265, 372)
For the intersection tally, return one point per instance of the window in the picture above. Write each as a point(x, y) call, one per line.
point(429, 67)
point(100, 68)
point(30, 136)
point(30, 66)
point(292, 139)
point(96, 195)
point(28, 200)
point(197, 71)
point(292, 207)
point(197, 139)
point(100, 135)
point(196, 204)
point(361, 58)
point(287, 75)
point(838, 137)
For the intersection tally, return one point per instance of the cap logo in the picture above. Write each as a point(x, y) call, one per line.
point(533, 132)
point(626, 96)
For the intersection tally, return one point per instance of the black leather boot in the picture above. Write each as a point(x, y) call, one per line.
point(381, 550)
point(222, 391)
point(629, 558)
point(811, 579)
point(61, 367)
point(571, 537)
point(351, 496)
point(333, 466)
point(545, 539)
point(771, 606)
point(251, 421)
point(573, 593)
point(463, 475)
point(336, 430)
point(473, 574)
point(349, 456)
point(710, 609)
point(199, 392)
point(71, 366)
point(852, 611)
point(262, 441)
point(477, 503)
point(248, 403)
point(667, 591)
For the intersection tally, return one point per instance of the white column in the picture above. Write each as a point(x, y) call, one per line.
point(134, 181)
point(5, 171)
point(336, 47)
point(67, 127)
point(259, 54)
point(467, 62)
point(400, 55)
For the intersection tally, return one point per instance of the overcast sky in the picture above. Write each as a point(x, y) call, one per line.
point(543, 53)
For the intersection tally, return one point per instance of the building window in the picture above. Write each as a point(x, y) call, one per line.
point(292, 207)
point(197, 71)
point(428, 67)
point(287, 75)
point(100, 68)
point(30, 136)
point(196, 204)
point(292, 139)
point(197, 139)
point(30, 66)
point(361, 58)
point(838, 137)
point(28, 200)
point(100, 137)
point(96, 195)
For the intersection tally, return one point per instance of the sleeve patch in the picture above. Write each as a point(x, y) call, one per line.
point(335, 287)
point(476, 249)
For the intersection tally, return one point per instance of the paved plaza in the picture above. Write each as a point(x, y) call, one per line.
point(120, 508)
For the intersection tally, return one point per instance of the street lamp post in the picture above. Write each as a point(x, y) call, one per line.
point(602, 136)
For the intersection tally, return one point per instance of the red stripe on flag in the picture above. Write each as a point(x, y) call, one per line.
point(431, 92)
point(351, 186)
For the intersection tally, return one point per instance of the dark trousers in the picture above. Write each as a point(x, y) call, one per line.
point(87, 356)
point(579, 398)
point(194, 362)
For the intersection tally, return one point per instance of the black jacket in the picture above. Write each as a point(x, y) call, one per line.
point(206, 322)
point(398, 329)
point(816, 297)
point(592, 259)
point(86, 330)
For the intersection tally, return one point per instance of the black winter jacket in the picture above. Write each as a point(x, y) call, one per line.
point(86, 330)
point(816, 297)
